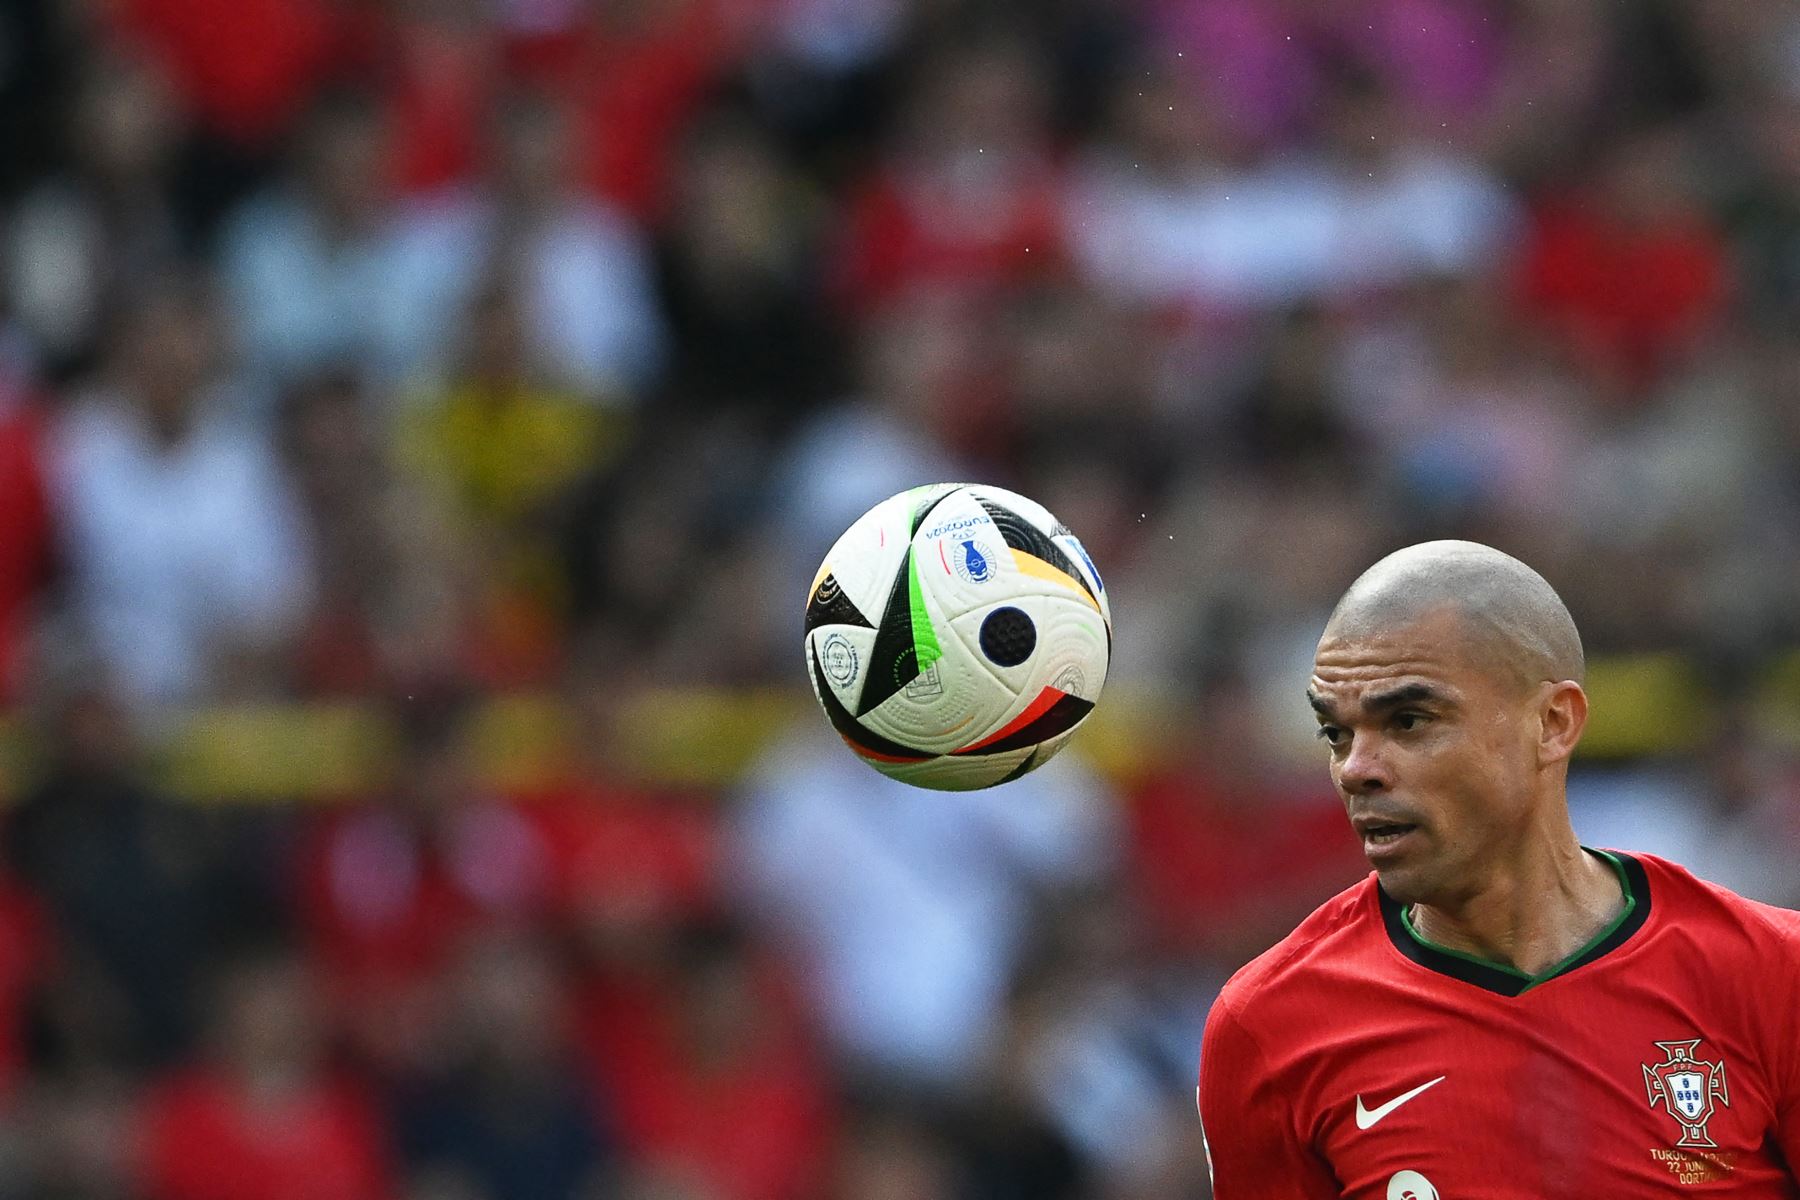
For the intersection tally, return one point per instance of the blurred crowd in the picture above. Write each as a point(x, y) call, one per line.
point(402, 355)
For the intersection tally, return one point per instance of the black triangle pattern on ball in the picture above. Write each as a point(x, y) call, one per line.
point(830, 606)
point(1030, 762)
point(924, 511)
point(894, 659)
point(854, 731)
point(1060, 717)
point(1021, 534)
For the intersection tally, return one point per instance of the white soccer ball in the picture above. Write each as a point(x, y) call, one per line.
point(956, 636)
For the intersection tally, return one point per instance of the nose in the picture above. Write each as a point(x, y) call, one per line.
point(1364, 769)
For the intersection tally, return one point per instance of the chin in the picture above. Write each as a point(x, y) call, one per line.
point(1411, 869)
point(1405, 884)
point(1395, 881)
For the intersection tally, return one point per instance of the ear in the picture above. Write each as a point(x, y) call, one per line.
point(1562, 716)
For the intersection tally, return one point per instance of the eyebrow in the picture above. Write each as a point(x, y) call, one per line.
point(1380, 702)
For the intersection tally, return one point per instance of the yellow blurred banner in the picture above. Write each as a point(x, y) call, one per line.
point(1642, 706)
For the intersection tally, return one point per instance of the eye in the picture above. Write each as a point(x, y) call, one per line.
point(1406, 722)
point(1331, 735)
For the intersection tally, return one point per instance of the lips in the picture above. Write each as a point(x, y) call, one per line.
point(1383, 835)
point(1370, 824)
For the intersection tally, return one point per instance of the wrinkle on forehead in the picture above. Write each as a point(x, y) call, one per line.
point(1382, 656)
point(1346, 671)
point(1328, 675)
point(1426, 646)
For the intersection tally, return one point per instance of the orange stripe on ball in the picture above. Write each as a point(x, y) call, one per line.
point(1046, 700)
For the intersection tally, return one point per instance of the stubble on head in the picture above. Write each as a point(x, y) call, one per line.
point(1515, 623)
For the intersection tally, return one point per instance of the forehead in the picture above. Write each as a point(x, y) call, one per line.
point(1434, 649)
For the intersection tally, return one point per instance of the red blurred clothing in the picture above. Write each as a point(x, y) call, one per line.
point(755, 1123)
point(906, 230)
point(443, 77)
point(246, 68)
point(205, 1137)
point(617, 846)
point(386, 902)
point(1225, 872)
point(1626, 296)
point(635, 84)
point(702, 1067)
point(25, 537)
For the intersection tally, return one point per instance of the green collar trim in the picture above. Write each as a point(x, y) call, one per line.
point(1503, 977)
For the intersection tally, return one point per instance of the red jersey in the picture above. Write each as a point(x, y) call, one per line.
point(1356, 1059)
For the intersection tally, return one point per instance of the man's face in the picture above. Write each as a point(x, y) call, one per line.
point(1432, 749)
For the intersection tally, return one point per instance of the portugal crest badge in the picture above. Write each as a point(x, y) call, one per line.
point(1689, 1087)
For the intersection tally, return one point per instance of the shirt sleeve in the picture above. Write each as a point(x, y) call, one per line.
point(1251, 1146)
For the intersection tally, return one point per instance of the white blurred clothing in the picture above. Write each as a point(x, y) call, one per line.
point(1668, 813)
point(842, 464)
point(838, 36)
point(174, 551)
point(1284, 232)
point(583, 277)
point(303, 301)
point(1117, 1057)
point(66, 256)
point(911, 907)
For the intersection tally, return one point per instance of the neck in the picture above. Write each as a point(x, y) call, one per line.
point(1533, 914)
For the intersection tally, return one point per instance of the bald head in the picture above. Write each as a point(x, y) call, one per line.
point(1514, 618)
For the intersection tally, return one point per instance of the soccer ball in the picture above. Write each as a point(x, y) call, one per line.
point(956, 635)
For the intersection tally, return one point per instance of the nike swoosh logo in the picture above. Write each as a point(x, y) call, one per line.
point(1365, 1117)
